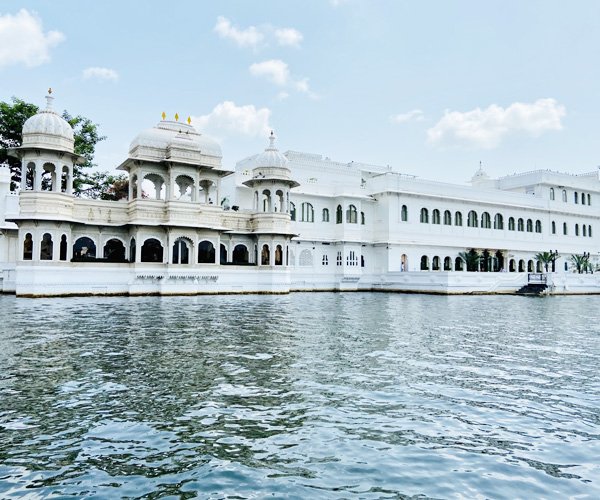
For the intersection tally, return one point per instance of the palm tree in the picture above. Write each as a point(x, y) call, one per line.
point(581, 262)
point(471, 259)
point(545, 258)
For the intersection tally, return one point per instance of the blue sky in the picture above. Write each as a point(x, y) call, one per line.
point(428, 87)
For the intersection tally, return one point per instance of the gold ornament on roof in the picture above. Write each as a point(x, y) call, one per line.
point(189, 120)
point(50, 91)
point(164, 115)
point(176, 117)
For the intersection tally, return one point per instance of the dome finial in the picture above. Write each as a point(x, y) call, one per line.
point(49, 100)
point(272, 140)
point(164, 116)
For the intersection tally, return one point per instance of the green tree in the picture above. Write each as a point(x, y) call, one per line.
point(471, 259)
point(12, 117)
point(545, 258)
point(581, 262)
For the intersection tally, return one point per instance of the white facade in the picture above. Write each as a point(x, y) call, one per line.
point(279, 223)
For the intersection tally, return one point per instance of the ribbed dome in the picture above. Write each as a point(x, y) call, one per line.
point(47, 129)
point(181, 135)
point(271, 156)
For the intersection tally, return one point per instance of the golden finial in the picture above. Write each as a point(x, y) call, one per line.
point(164, 115)
point(176, 117)
point(189, 120)
point(50, 91)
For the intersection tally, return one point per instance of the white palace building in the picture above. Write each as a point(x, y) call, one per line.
point(280, 223)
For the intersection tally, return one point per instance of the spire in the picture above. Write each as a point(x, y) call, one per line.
point(272, 140)
point(49, 100)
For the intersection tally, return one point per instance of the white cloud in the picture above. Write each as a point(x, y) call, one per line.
point(486, 128)
point(243, 120)
point(274, 70)
point(278, 73)
point(288, 36)
point(249, 37)
point(100, 74)
point(23, 41)
point(415, 114)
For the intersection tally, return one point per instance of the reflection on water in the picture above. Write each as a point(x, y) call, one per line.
point(309, 395)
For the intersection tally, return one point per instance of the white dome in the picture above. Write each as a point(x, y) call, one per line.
point(181, 135)
point(271, 156)
point(47, 129)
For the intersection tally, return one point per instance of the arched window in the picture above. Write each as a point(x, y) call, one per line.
point(338, 214)
point(403, 263)
point(584, 229)
point(576, 197)
point(325, 215)
point(351, 215)
point(576, 229)
point(240, 254)
point(84, 248)
point(521, 266)
point(362, 218)
point(308, 213)
point(538, 226)
point(552, 193)
point(498, 221)
point(590, 231)
point(435, 216)
point(114, 250)
point(180, 252)
point(589, 198)
point(306, 258)
point(152, 250)
point(538, 266)
point(566, 266)
point(424, 263)
point(512, 266)
point(279, 203)
point(564, 195)
point(486, 221)
point(447, 264)
point(520, 225)
point(565, 232)
point(63, 247)
point(435, 263)
point(265, 255)
point(472, 219)
point(292, 211)
point(325, 260)
point(206, 252)
point(404, 213)
point(424, 216)
point(529, 226)
point(553, 227)
point(46, 247)
point(222, 254)
point(447, 218)
point(458, 264)
point(583, 198)
point(28, 247)
point(278, 255)
point(511, 223)
point(266, 200)
point(458, 219)
point(530, 266)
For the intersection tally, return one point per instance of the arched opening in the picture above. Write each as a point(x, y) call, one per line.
point(424, 216)
point(362, 218)
point(530, 266)
point(152, 250)
point(472, 219)
point(292, 211)
point(240, 254)
point(538, 267)
point(458, 264)
point(180, 252)
point(278, 255)
point(29, 172)
point(520, 225)
point(338, 215)
point(435, 216)
point(63, 247)
point(498, 221)
point(564, 195)
point(133, 187)
point(552, 193)
point(222, 254)
point(325, 215)
point(184, 188)
point(403, 262)
point(265, 255)
point(256, 203)
point(154, 186)
point(308, 212)
point(49, 173)
point(114, 250)
point(266, 200)
point(447, 264)
point(512, 266)
point(529, 226)
point(351, 215)
point(28, 247)
point(486, 221)
point(458, 219)
point(206, 252)
point(424, 263)
point(435, 264)
point(404, 213)
point(521, 266)
point(511, 223)
point(84, 248)
point(447, 218)
point(279, 202)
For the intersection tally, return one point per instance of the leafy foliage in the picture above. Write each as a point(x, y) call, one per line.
point(581, 263)
point(545, 258)
point(471, 259)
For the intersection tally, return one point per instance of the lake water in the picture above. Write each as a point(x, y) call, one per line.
point(323, 395)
